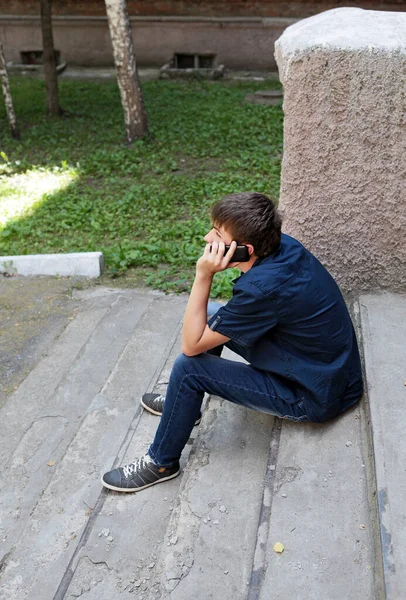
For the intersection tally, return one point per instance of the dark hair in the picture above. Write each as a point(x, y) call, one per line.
point(251, 218)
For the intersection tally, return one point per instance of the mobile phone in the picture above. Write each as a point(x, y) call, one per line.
point(241, 254)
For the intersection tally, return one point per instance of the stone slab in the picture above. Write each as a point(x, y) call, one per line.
point(384, 334)
point(216, 519)
point(206, 534)
point(34, 312)
point(320, 513)
point(86, 264)
point(32, 400)
point(179, 539)
point(346, 28)
point(40, 419)
point(137, 523)
point(343, 73)
point(47, 506)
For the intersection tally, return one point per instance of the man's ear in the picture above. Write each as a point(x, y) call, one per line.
point(251, 249)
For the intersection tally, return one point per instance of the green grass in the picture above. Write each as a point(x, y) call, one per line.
point(73, 185)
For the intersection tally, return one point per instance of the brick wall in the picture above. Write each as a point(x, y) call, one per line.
point(215, 8)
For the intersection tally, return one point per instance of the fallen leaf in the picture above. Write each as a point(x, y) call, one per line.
point(279, 547)
point(51, 463)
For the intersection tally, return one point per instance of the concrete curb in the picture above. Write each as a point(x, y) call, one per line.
point(87, 264)
point(383, 328)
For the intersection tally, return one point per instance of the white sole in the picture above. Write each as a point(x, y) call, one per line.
point(117, 489)
point(153, 412)
point(158, 414)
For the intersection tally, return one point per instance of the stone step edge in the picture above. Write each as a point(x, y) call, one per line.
point(371, 477)
point(85, 264)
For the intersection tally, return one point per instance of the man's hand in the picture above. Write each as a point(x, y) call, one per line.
point(197, 337)
point(214, 260)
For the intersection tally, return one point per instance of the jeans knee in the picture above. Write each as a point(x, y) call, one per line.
point(185, 370)
point(183, 363)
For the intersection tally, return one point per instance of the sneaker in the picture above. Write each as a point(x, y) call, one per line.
point(154, 403)
point(138, 475)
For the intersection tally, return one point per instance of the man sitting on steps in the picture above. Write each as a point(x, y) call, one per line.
point(286, 318)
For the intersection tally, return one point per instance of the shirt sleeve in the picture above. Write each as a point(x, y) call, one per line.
point(248, 316)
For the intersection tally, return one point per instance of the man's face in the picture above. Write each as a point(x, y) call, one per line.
point(218, 234)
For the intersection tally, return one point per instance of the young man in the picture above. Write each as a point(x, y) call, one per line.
point(286, 317)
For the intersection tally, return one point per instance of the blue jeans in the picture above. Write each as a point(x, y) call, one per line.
point(240, 383)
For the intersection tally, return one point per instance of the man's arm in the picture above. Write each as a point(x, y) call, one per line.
point(197, 337)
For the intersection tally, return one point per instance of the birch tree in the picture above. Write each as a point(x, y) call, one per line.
point(51, 76)
point(7, 96)
point(135, 117)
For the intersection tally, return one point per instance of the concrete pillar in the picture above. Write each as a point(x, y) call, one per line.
point(343, 189)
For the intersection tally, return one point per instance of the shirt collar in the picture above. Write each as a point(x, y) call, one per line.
point(262, 259)
point(258, 262)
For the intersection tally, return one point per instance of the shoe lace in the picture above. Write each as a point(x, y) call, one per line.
point(159, 400)
point(135, 466)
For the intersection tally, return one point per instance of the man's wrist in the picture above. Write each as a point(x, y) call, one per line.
point(203, 276)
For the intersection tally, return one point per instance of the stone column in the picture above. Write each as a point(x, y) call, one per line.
point(343, 189)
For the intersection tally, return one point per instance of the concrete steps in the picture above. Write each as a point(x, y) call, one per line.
point(320, 512)
point(67, 423)
point(384, 339)
point(248, 480)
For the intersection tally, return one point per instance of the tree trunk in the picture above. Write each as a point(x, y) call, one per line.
point(7, 96)
point(135, 117)
point(51, 76)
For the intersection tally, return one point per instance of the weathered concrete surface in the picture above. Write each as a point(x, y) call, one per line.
point(343, 182)
point(33, 312)
point(57, 443)
point(320, 513)
point(137, 523)
point(86, 264)
point(217, 514)
point(384, 335)
point(207, 534)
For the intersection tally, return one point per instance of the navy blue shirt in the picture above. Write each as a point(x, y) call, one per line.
point(288, 317)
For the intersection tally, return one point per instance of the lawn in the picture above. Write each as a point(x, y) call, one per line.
point(72, 184)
